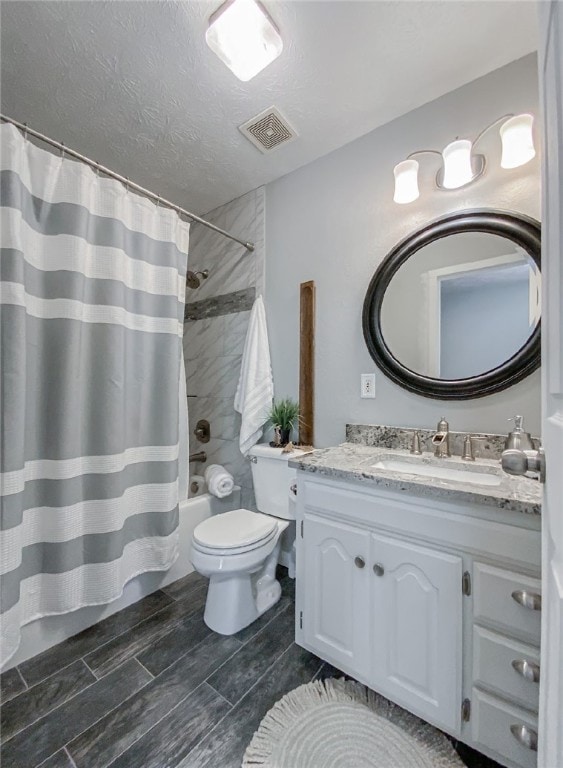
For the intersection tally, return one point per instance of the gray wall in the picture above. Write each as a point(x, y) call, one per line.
point(334, 220)
point(213, 343)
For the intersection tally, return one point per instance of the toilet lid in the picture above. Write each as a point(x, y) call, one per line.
point(237, 528)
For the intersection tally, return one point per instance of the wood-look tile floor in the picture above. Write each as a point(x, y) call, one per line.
point(153, 687)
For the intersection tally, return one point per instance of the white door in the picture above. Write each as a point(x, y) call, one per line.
point(417, 629)
point(336, 602)
point(551, 92)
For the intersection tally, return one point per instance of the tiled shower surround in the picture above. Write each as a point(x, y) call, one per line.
point(215, 326)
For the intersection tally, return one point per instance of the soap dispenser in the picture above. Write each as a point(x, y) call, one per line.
point(518, 439)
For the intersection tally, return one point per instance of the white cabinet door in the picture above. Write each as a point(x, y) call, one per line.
point(336, 601)
point(417, 628)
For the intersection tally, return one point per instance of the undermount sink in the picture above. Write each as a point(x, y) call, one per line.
point(466, 475)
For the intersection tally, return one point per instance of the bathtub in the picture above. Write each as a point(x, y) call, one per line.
point(46, 632)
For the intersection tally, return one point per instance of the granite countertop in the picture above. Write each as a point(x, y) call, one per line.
point(352, 461)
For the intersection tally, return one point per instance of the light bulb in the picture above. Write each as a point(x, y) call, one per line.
point(406, 181)
point(244, 37)
point(517, 141)
point(457, 164)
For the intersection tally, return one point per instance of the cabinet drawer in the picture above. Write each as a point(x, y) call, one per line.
point(493, 669)
point(492, 720)
point(495, 605)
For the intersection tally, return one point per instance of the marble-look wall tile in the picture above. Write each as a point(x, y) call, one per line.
point(237, 214)
point(236, 326)
point(219, 412)
point(214, 342)
point(215, 336)
point(234, 273)
point(213, 376)
point(260, 243)
point(231, 266)
point(204, 338)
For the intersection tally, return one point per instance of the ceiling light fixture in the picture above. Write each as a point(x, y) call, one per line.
point(244, 37)
point(461, 165)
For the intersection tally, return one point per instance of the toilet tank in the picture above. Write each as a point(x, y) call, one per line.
point(272, 477)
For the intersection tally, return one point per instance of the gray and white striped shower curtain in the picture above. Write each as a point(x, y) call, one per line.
point(92, 282)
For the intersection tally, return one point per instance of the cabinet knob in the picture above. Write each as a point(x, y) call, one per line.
point(378, 569)
point(360, 562)
point(528, 669)
point(525, 736)
point(529, 600)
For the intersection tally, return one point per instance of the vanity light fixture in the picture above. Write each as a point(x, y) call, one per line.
point(461, 165)
point(517, 141)
point(244, 37)
point(406, 181)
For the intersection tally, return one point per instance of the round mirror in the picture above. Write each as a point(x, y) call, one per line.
point(453, 311)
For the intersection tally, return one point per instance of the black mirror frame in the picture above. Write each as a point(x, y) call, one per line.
point(522, 230)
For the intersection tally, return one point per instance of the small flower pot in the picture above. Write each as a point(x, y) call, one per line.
point(285, 436)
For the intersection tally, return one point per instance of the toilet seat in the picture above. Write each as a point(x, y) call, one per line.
point(234, 532)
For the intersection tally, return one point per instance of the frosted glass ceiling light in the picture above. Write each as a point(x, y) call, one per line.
point(406, 181)
point(244, 37)
point(517, 141)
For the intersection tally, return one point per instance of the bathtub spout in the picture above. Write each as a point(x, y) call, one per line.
point(201, 456)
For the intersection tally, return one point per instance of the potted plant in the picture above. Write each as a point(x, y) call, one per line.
point(284, 416)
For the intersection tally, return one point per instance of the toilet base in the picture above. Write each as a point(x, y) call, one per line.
point(236, 600)
point(287, 551)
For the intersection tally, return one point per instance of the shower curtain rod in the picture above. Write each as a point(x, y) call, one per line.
point(124, 180)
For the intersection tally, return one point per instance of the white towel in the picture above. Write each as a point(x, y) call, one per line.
point(256, 386)
point(220, 483)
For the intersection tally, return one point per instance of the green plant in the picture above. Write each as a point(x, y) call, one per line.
point(284, 414)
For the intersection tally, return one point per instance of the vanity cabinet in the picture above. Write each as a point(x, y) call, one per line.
point(429, 603)
point(337, 598)
point(415, 613)
point(388, 609)
point(506, 663)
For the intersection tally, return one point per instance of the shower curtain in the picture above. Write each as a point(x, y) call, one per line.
point(92, 281)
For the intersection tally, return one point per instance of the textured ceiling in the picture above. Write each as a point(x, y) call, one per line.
point(133, 84)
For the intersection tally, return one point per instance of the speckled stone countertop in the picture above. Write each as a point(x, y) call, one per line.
point(352, 461)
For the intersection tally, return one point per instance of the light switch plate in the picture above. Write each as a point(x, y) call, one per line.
point(367, 385)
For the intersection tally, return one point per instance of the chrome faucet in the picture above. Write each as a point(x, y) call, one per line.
point(441, 439)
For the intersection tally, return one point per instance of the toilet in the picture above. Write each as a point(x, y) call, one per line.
point(239, 550)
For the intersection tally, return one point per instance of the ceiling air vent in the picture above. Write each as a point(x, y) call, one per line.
point(268, 130)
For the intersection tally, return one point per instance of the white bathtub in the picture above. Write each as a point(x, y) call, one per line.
point(43, 633)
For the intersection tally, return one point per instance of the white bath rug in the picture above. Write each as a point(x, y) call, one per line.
point(342, 724)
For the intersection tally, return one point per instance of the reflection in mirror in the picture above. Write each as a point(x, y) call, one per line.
point(461, 305)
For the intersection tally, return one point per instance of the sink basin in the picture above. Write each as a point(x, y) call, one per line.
point(468, 476)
